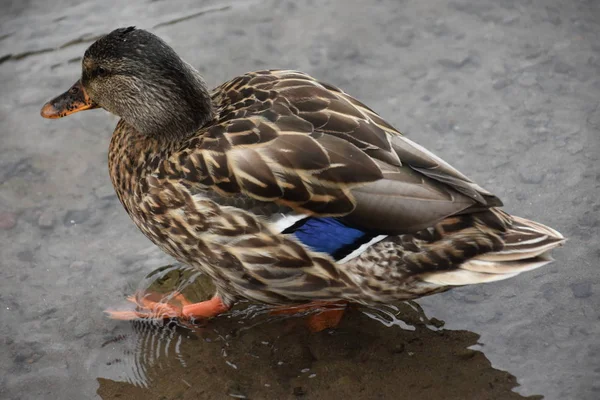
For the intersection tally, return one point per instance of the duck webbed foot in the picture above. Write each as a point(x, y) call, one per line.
point(323, 314)
point(151, 305)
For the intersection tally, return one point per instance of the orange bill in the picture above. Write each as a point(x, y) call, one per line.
point(71, 101)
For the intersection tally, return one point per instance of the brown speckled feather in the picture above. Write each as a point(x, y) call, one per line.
point(283, 144)
point(282, 136)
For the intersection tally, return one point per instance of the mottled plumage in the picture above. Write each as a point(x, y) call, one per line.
point(293, 191)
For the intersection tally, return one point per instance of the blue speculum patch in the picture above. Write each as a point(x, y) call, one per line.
point(329, 235)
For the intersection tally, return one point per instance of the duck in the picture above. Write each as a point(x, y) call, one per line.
point(286, 190)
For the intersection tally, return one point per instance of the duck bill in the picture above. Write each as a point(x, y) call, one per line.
point(73, 100)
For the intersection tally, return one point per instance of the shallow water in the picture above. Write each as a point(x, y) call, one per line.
point(508, 92)
point(250, 353)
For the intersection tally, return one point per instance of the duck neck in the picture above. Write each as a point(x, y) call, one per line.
point(173, 108)
point(198, 99)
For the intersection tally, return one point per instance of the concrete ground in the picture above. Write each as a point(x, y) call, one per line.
point(506, 91)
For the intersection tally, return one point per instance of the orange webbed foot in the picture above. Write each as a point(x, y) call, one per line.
point(328, 314)
point(156, 306)
point(325, 319)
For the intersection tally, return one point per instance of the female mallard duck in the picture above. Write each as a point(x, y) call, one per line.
point(286, 190)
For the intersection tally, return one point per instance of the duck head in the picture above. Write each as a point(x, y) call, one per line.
point(135, 75)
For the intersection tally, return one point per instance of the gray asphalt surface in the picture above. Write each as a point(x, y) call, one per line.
point(506, 91)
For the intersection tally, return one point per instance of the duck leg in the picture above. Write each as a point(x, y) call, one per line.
point(327, 315)
point(176, 306)
point(205, 309)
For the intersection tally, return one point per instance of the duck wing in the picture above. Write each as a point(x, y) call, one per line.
point(283, 137)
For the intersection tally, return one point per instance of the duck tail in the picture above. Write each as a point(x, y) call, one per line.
point(525, 246)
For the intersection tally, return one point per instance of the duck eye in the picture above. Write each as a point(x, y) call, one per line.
point(101, 71)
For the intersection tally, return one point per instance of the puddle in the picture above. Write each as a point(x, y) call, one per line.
point(247, 353)
point(507, 95)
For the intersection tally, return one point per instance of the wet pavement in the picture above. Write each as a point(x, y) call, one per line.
point(506, 91)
